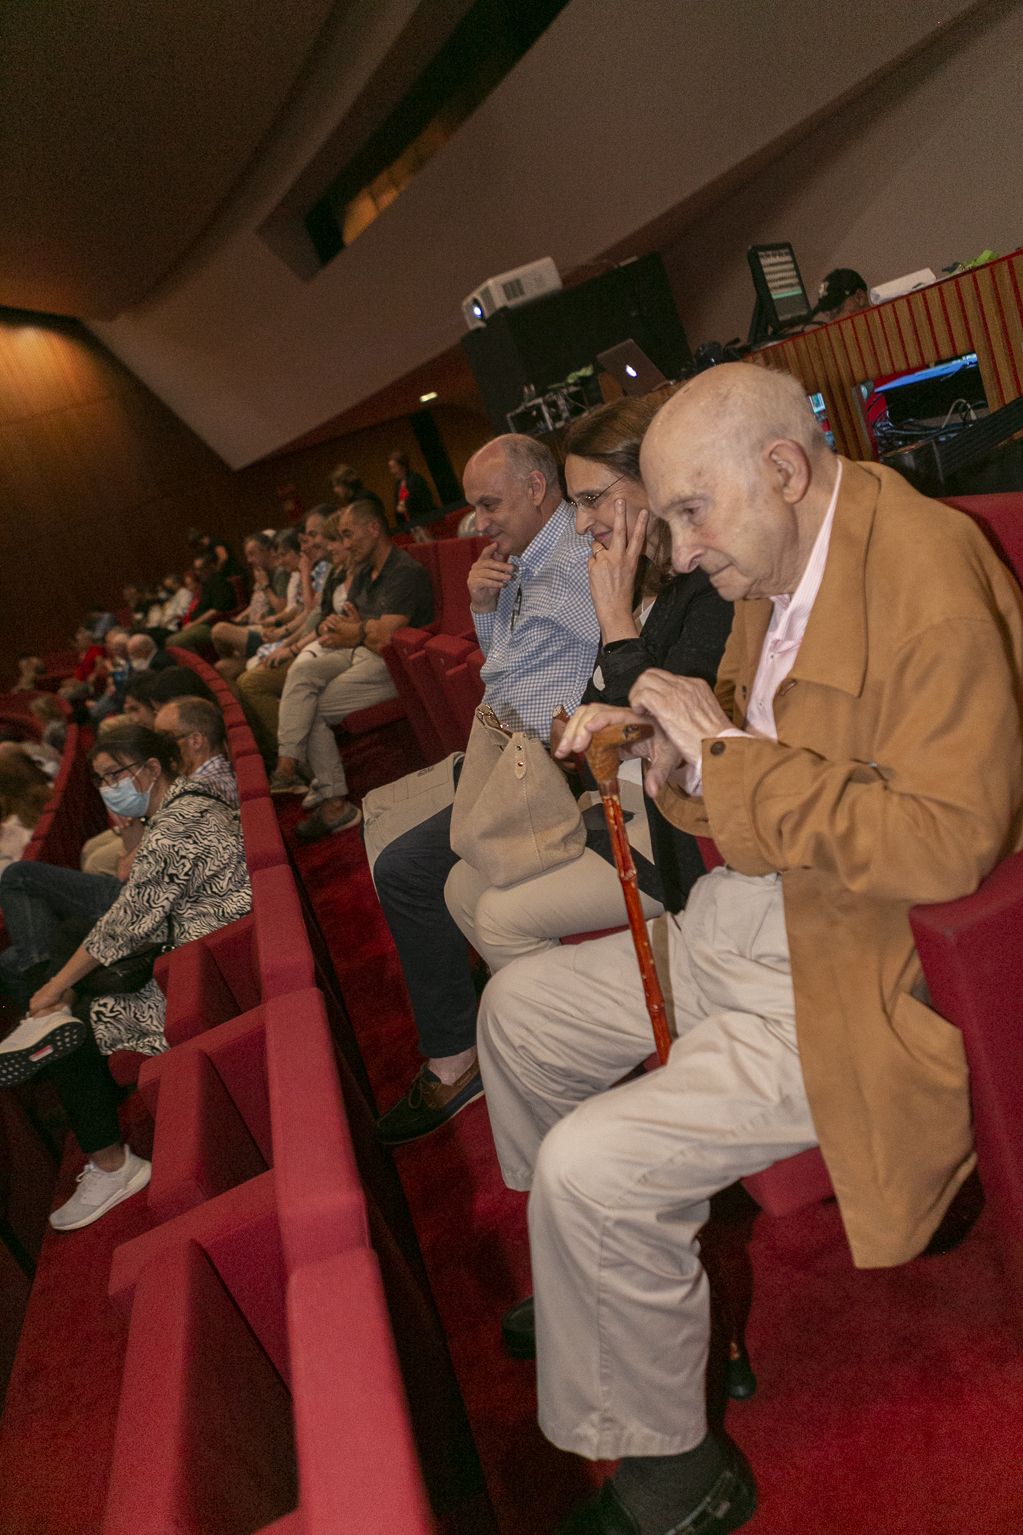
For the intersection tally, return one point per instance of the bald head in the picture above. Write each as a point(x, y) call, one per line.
point(741, 408)
point(512, 482)
point(737, 466)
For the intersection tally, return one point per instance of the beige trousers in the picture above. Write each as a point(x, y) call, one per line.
point(101, 854)
point(620, 1181)
point(503, 924)
point(259, 693)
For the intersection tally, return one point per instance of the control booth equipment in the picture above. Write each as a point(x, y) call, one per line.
point(521, 352)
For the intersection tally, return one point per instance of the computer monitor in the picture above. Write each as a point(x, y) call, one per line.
point(781, 297)
point(900, 406)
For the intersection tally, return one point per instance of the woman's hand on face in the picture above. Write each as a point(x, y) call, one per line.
point(612, 573)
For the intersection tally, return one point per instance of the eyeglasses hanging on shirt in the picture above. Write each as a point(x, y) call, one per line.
point(517, 603)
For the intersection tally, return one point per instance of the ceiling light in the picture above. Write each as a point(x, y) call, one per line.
point(431, 394)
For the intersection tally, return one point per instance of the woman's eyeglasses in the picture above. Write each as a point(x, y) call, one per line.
point(586, 500)
point(114, 775)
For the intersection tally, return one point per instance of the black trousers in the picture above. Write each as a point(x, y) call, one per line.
point(88, 1092)
point(410, 875)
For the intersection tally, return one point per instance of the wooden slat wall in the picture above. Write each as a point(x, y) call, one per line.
point(980, 311)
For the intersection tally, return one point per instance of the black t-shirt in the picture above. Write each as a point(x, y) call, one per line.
point(217, 593)
point(401, 587)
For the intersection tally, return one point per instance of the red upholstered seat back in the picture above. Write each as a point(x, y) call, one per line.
point(204, 1437)
point(1001, 518)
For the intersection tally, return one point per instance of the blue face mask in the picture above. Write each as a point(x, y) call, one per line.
point(126, 798)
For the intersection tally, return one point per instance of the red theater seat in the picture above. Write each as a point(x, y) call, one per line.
point(357, 1462)
point(445, 653)
point(251, 775)
point(264, 845)
point(204, 1434)
point(241, 965)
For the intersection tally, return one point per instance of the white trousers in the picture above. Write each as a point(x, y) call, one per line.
point(620, 1181)
point(319, 692)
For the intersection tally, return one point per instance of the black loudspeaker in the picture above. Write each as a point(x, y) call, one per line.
point(541, 343)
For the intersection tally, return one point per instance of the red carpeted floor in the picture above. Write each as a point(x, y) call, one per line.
point(889, 1402)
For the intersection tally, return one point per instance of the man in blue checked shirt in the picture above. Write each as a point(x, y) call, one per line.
point(530, 600)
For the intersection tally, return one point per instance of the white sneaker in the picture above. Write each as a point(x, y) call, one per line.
point(36, 1042)
point(315, 795)
point(98, 1192)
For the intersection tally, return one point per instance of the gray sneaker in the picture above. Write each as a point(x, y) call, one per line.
point(38, 1042)
point(98, 1192)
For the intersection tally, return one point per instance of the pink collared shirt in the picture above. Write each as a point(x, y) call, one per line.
point(790, 616)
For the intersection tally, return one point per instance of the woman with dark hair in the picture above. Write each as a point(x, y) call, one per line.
point(412, 496)
point(648, 617)
point(188, 879)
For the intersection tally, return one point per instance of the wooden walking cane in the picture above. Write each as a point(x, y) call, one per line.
point(603, 761)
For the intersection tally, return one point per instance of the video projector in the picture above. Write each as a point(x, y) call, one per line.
point(509, 289)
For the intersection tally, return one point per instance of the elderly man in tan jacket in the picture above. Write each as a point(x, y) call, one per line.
point(862, 753)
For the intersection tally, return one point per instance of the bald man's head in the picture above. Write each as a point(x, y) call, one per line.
point(737, 466)
point(512, 482)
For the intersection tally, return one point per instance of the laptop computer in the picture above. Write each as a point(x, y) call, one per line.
point(632, 368)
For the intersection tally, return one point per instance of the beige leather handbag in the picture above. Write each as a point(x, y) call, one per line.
point(514, 815)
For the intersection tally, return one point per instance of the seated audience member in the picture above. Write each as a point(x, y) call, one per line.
point(317, 642)
point(138, 698)
point(179, 594)
point(136, 602)
point(261, 684)
point(412, 496)
point(197, 725)
point(188, 879)
point(202, 745)
point(345, 670)
point(144, 655)
point(237, 640)
point(843, 292)
point(534, 618)
point(346, 483)
point(30, 669)
point(99, 623)
point(52, 718)
point(116, 670)
point(861, 754)
point(215, 601)
point(24, 791)
point(647, 618)
point(90, 655)
point(218, 549)
point(146, 692)
point(305, 575)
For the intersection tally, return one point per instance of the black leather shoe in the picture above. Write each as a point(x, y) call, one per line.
point(428, 1104)
point(518, 1330)
point(727, 1506)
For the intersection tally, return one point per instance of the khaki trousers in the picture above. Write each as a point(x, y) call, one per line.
point(508, 923)
point(259, 693)
point(620, 1181)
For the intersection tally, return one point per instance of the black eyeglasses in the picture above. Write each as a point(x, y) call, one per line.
point(108, 779)
point(517, 604)
point(586, 500)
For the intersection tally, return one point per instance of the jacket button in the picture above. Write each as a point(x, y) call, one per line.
point(716, 748)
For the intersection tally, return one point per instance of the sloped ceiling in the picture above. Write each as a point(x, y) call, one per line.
point(124, 127)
